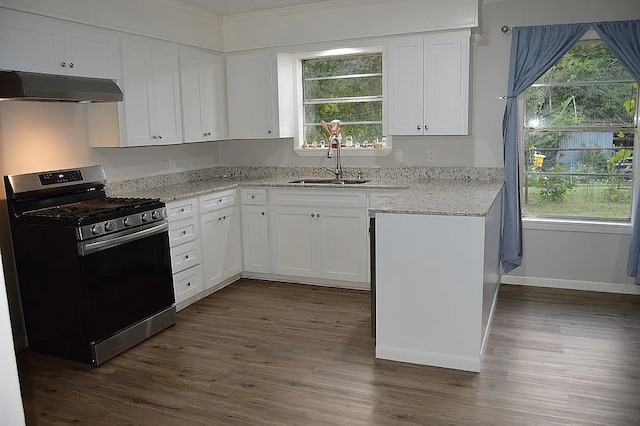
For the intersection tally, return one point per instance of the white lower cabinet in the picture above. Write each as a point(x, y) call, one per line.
point(186, 252)
point(319, 234)
point(221, 242)
point(255, 230)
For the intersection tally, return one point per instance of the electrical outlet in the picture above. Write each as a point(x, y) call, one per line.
point(172, 163)
point(431, 155)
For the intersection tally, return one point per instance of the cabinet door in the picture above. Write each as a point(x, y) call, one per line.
point(291, 241)
point(232, 260)
point(30, 43)
point(255, 238)
point(446, 83)
point(211, 231)
point(405, 86)
point(214, 97)
point(91, 52)
point(342, 237)
point(166, 116)
point(190, 85)
point(252, 96)
point(138, 93)
point(204, 98)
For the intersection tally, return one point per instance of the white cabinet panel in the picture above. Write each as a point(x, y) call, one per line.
point(185, 256)
point(221, 245)
point(183, 231)
point(203, 88)
point(217, 200)
point(405, 86)
point(344, 242)
point(428, 84)
point(255, 238)
point(187, 283)
point(313, 240)
point(292, 241)
point(150, 76)
point(446, 84)
point(252, 96)
point(91, 52)
point(37, 44)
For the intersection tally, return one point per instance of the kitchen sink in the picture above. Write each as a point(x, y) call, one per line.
point(330, 181)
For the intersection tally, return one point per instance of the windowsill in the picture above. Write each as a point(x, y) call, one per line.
point(345, 152)
point(576, 225)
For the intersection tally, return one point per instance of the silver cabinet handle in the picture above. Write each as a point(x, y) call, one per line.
point(63, 64)
point(159, 136)
point(71, 65)
point(188, 284)
point(184, 232)
point(262, 213)
point(186, 256)
point(253, 197)
point(426, 127)
point(419, 128)
point(318, 215)
point(313, 215)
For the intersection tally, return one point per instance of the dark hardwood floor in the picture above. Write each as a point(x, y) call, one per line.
point(262, 353)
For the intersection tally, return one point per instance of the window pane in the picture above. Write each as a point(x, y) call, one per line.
point(589, 105)
point(336, 66)
point(359, 134)
point(345, 112)
point(343, 88)
point(578, 174)
point(587, 60)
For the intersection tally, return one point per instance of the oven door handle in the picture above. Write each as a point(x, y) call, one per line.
point(85, 248)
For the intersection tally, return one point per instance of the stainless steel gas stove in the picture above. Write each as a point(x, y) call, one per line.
point(94, 272)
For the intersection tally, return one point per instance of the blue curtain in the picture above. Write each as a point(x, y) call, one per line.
point(533, 51)
point(623, 39)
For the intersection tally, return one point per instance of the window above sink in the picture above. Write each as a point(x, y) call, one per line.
point(345, 84)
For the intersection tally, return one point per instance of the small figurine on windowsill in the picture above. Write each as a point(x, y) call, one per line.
point(334, 132)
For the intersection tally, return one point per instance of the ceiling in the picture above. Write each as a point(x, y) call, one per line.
point(235, 7)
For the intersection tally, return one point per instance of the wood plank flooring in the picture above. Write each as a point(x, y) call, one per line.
point(260, 353)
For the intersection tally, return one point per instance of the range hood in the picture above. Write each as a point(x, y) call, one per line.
point(30, 86)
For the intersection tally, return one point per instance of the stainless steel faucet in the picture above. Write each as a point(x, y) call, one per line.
point(338, 170)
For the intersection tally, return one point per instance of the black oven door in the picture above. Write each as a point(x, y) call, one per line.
point(128, 279)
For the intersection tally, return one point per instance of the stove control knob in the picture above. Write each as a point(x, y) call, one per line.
point(108, 227)
point(155, 215)
point(127, 221)
point(96, 229)
point(145, 217)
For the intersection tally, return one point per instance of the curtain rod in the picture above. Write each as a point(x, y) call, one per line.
point(505, 29)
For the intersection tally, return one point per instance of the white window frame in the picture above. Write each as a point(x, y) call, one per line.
point(298, 95)
point(573, 224)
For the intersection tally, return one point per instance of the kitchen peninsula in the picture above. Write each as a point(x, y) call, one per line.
point(437, 240)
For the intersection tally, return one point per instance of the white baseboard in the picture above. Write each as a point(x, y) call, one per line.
point(428, 358)
point(572, 284)
point(350, 285)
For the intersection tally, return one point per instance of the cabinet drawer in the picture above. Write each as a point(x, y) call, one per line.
point(187, 283)
point(185, 256)
point(217, 200)
point(254, 196)
point(181, 209)
point(316, 197)
point(379, 197)
point(183, 231)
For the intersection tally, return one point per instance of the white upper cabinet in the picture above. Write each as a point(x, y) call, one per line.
point(151, 86)
point(204, 96)
point(36, 44)
point(252, 96)
point(428, 84)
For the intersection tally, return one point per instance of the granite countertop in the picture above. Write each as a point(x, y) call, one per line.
point(443, 197)
point(426, 196)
